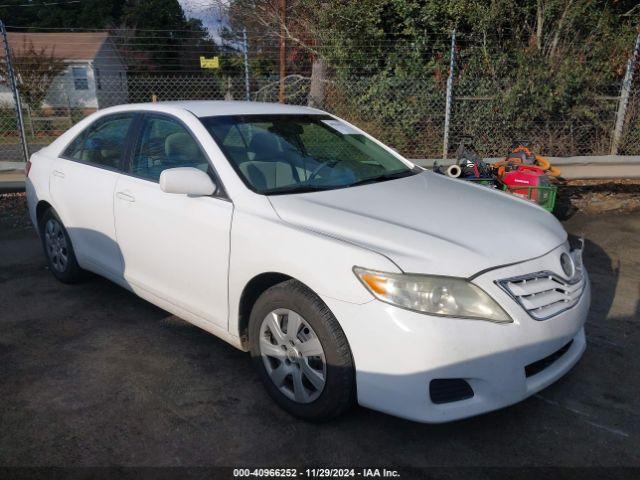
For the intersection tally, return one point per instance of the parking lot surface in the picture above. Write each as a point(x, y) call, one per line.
point(92, 375)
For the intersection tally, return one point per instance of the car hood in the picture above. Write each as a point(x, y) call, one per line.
point(428, 223)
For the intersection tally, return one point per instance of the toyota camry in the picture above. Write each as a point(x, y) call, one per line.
point(350, 274)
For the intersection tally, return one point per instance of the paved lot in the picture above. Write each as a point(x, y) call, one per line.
point(92, 375)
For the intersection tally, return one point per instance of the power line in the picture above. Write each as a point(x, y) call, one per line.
point(89, 30)
point(45, 4)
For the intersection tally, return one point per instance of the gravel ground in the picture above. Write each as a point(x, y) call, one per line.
point(92, 375)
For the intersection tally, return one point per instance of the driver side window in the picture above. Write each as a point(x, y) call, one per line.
point(165, 143)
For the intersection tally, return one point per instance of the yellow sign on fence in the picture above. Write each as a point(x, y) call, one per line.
point(209, 62)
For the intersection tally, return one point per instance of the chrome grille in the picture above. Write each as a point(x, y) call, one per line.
point(544, 294)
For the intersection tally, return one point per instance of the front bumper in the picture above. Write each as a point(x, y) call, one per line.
point(398, 352)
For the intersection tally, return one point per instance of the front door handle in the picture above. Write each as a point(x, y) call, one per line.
point(126, 196)
point(58, 173)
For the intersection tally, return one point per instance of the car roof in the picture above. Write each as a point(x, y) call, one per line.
point(210, 108)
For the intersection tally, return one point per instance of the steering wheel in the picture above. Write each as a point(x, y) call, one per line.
point(328, 164)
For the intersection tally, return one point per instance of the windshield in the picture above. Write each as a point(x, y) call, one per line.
point(277, 154)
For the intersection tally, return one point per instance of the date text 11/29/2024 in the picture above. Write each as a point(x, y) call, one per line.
point(316, 472)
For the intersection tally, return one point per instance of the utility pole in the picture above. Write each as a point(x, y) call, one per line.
point(624, 97)
point(246, 64)
point(447, 113)
point(283, 32)
point(16, 94)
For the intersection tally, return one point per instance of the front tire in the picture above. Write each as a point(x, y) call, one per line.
point(58, 249)
point(301, 353)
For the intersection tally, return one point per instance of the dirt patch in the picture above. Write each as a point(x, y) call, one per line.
point(13, 211)
point(598, 196)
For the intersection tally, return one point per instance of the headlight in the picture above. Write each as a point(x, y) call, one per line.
point(435, 295)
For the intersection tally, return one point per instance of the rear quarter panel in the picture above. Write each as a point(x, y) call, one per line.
point(37, 183)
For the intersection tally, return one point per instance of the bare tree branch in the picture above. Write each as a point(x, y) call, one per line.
point(556, 35)
point(539, 24)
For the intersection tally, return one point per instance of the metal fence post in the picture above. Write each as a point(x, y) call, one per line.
point(624, 97)
point(447, 114)
point(245, 49)
point(16, 93)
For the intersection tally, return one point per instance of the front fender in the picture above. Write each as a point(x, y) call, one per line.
point(262, 244)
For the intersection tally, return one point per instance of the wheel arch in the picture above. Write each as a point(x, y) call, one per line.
point(250, 294)
point(42, 207)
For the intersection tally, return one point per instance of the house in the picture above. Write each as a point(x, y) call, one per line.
point(95, 76)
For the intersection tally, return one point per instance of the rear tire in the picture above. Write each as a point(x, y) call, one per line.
point(308, 371)
point(58, 249)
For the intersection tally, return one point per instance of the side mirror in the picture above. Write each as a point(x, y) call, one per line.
point(187, 181)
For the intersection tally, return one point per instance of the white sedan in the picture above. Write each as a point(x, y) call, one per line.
point(350, 274)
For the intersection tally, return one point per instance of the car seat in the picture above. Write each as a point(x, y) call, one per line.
point(265, 169)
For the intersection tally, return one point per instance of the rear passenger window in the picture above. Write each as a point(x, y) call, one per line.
point(103, 143)
point(165, 143)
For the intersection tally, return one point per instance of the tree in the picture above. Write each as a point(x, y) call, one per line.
point(35, 70)
point(542, 65)
point(170, 42)
point(152, 35)
point(87, 14)
point(262, 19)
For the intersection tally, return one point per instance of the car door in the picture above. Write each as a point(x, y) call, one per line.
point(82, 186)
point(175, 247)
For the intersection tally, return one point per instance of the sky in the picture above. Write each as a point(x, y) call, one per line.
point(211, 12)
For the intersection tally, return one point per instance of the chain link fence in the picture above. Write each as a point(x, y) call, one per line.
point(405, 111)
point(10, 146)
point(630, 142)
point(478, 114)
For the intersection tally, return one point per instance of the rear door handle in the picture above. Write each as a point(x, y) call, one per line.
point(58, 173)
point(127, 197)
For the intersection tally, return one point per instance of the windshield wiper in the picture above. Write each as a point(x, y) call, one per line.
point(304, 188)
point(299, 188)
point(382, 178)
